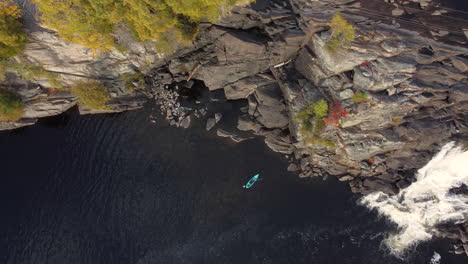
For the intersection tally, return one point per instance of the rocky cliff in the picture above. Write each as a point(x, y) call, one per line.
point(414, 89)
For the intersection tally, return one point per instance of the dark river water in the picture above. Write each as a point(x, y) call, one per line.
point(119, 189)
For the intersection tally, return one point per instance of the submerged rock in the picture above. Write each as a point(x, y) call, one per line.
point(218, 117)
point(346, 178)
point(293, 167)
point(185, 123)
point(372, 184)
point(210, 123)
point(232, 136)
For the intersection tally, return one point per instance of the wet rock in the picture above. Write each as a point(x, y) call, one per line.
point(305, 164)
point(346, 178)
point(217, 96)
point(460, 250)
point(356, 185)
point(246, 123)
point(373, 184)
point(305, 174)
point(239, 139)
point(218, 117)
point(203, 111)
point(293, 167)
point(279, 143)
point(210, 123)
point(188, 84)
point(223, 133)
point(463, 236)
point(232, 136)
point(402, 184)
point(398, 12)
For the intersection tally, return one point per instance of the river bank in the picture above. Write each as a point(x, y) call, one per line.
point(121, 189)
point(273, 62)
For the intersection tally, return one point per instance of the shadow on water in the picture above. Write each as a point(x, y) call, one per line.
point(458, 5)
point(119, 189)
point(260, 4)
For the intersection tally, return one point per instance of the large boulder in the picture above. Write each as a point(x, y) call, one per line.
point(373, 184)
point(247, 123)
point(272, 110)
point(238, 55)
point(279, 142)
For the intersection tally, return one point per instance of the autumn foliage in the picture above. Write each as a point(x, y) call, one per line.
point(92, 94)
point(342, 33)
point(11, 106)
point(92, 22)
point(335, 114)
point(9, 8)
point(12, 37)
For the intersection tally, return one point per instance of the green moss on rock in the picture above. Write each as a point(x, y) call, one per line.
point(11, 106)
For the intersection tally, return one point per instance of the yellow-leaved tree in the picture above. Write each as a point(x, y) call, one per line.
point(92, 94)
point(12, 37)
point(92, 22)
point(342, 34)
point(79, 22)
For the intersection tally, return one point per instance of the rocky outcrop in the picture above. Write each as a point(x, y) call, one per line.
point(408, 107)
point(276, 59)
point(73, 62)
point(413, 89)
point(39, 102)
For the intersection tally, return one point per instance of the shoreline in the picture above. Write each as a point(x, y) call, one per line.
point(275, 62)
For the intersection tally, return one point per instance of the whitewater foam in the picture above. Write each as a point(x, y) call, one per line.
point(419, 208)
point(435, 258)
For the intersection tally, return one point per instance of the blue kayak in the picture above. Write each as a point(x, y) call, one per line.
point(252, 181)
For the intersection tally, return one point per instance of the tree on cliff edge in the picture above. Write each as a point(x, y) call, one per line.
point(342, 33)
point(12, 37)
point(92, 22)
point(11, 106)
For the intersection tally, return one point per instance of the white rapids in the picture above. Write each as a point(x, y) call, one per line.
point(435, 258)
point(420, 207)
